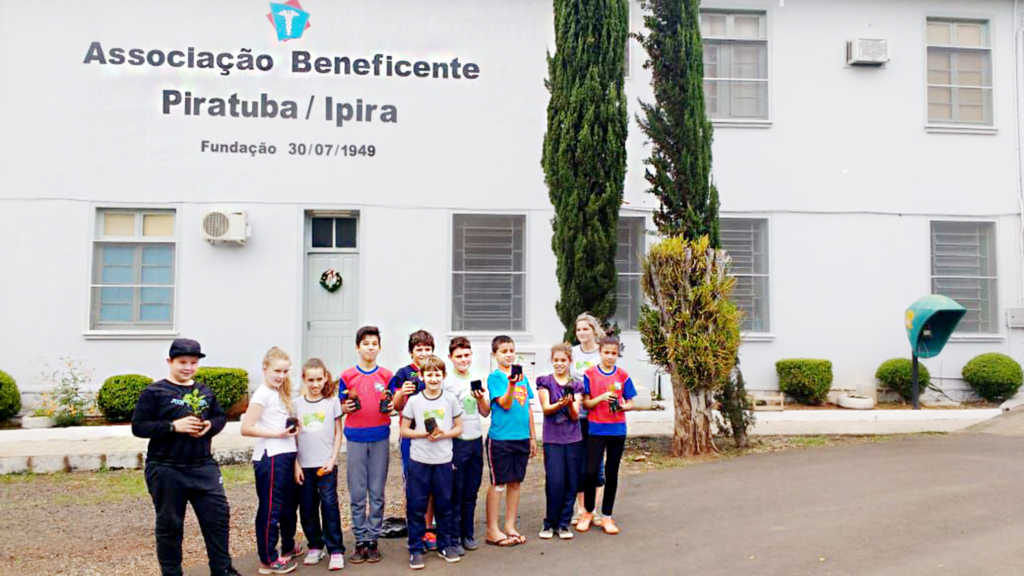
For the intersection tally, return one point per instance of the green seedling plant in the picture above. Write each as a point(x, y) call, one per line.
point(196, 402)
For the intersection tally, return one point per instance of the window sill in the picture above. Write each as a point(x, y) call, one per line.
point(757, 337)
point(979, 338)
point(955, 129)
point(130, 334)
point(741, 123)
point(488, 335)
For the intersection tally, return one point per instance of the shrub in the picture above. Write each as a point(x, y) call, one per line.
point(10, 397)
point(119, 394)
point(806, 380)
point(229, 385)
point(898, 375)
point(993, 376)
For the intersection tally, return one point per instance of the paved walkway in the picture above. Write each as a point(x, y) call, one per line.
point(948, 505)
point(92, 447)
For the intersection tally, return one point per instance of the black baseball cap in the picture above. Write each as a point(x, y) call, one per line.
point(185, 347)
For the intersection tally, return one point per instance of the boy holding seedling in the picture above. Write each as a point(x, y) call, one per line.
point(180, 417)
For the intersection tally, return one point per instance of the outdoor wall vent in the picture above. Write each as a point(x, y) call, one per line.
point(867, 52)
point(226, 226)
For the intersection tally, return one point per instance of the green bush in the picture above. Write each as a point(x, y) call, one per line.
point(119, 394)
point(993, 376)
point(229, 385)
point(10, 397)
point(898, 375)
point(806, 380)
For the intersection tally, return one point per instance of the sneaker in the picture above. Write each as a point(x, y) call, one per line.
point(547, 533)
point(449, 554)
point(470, 543)
point(598, 519)
point(609, 526)
point(585, 520)
point(297, 551)
point(565, 533)
point(337, 562)
point(430, 541)
point(416, 561)
point(459, 549)
point(359, 556)
point(314, 556)
point(278, 566)
point(372, 554)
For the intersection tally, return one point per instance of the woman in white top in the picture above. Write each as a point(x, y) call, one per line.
point(267, 419)
point(584, 355)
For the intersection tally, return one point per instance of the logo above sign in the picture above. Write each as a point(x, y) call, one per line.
point(288, 19)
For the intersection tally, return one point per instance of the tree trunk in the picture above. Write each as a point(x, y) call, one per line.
point(693, 422)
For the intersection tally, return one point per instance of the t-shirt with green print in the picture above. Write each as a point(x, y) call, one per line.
point(581, 362)
point(459, 386)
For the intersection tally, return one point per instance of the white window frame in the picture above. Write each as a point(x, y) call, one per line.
point(480, 333)
point(993, 278)
point(769, 320)
point(619, 276)
point(953, 125)
point(135, 329)
point(730, 39)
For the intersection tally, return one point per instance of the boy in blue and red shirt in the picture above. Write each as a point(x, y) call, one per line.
point(608, 394)
point(367, 429)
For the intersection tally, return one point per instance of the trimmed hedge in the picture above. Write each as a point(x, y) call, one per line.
point(10, 397)
point(898, 375)
point(119, 394)
point(229, 385)
point(805, 380)
point(993, 376)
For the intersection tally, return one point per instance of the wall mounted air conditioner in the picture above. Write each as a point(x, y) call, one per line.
point(867, 52)
point(226, 226)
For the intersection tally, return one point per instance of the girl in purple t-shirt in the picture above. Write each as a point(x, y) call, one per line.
point(563, 441)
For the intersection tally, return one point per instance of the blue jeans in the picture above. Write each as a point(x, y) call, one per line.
point(319, 503)
point(424, 481)
point(367, 473)
point(562, 463)
point(469, 469)
point(275, 514)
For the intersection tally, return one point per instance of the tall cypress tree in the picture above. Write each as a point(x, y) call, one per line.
point(585, 152)
point(679, 168)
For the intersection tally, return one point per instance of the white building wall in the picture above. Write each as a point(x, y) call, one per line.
point(846, 173)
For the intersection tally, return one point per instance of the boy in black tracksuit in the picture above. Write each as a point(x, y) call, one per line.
point(179, 462)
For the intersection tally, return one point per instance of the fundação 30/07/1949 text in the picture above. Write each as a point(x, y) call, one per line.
point(292, 149)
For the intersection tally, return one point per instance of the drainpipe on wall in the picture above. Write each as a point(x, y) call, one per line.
point(1010, 344)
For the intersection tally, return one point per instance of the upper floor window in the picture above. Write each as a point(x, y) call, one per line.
point(488, 272)
point(964, 268)
point(959, 72)
point(746, 241)
point(133, 272)
point(629, 255)
point(735, 65)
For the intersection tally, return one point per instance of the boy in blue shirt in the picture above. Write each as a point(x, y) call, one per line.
point(510, 441)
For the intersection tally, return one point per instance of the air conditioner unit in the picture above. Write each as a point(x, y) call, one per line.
point(226, 226)
point(867, 52)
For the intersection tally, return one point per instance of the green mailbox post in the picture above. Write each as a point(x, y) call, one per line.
point(930, 322)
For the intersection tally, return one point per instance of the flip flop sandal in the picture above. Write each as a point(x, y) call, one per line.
point(506, 542)
point(519, 538)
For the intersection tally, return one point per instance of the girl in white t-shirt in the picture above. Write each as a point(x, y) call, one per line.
point(271, 419)
point(584, 355)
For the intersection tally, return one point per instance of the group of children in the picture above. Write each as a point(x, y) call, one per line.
point(442, 445)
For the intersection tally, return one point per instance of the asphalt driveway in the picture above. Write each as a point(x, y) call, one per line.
point(947, 505)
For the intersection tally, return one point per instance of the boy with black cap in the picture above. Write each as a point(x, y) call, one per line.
point(179, 461)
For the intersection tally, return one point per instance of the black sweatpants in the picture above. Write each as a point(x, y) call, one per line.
point(173, 487)
point(611, 448)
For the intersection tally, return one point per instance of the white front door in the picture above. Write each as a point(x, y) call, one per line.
point(331, 317)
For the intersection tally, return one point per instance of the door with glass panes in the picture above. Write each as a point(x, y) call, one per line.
point(332, 317)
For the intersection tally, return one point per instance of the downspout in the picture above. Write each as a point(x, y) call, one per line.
point(1017, 144)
